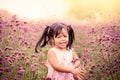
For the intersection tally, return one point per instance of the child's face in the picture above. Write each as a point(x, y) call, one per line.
point(61, 40)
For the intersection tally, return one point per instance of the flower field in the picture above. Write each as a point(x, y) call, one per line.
point(97, 45)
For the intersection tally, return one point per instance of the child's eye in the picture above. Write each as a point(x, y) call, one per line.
point(58, 37)
point(65, 36)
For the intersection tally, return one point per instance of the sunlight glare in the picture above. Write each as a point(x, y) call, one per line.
point(34, 8)
point(45, 9)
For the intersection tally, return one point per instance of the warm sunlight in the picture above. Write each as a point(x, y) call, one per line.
point(34, 8)
point(87, 8)
point(45, 9)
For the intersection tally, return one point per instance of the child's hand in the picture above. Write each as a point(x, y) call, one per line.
point(82, 72)
point(76, 74)
point(79, 73)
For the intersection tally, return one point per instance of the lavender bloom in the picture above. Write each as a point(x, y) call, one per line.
point(5, 79)
point(20, 72)
point(8, 48)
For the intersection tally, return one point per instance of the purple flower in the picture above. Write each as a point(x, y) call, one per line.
point(18, 79)
point(0, 31)
point(25, 22)
point(91, 72)
point(46, 78)
point(1, 73)
point(33, 55)
point(16, 52)
point(1, 69)
point(24, 43)
point(92, 67)
point(6, 69)
point(80, 42)
point(25, 28)
point(5, 79)
point(97, 65)
point(9, 60)
point(8, 48)
point(1, 58)
point(27, 63)
point(20, 37)
point(20, 72)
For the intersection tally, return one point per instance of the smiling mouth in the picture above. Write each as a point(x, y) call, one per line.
point(64, 43)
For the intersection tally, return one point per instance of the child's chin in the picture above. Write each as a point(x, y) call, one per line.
point(62, 46)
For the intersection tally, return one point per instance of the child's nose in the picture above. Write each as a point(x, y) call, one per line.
point(63, 38)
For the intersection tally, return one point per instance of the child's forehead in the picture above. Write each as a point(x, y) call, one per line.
point(60, 30)
point(63, 32)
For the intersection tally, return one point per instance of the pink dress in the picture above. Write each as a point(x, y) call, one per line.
point(64, 58)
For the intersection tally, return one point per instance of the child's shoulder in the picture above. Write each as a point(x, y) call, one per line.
point(51, 50)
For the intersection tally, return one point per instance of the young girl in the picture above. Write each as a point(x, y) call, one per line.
point(60, 57)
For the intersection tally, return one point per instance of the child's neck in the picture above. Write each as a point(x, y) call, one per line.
point(61, 49)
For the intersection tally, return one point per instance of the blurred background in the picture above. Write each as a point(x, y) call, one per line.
point(77, 9)
point(96, 24)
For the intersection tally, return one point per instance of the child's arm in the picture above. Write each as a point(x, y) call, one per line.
point(76, 60)
point(56, 65)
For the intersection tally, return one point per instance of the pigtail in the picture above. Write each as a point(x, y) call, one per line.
point(71, 36)
point(44, 39)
